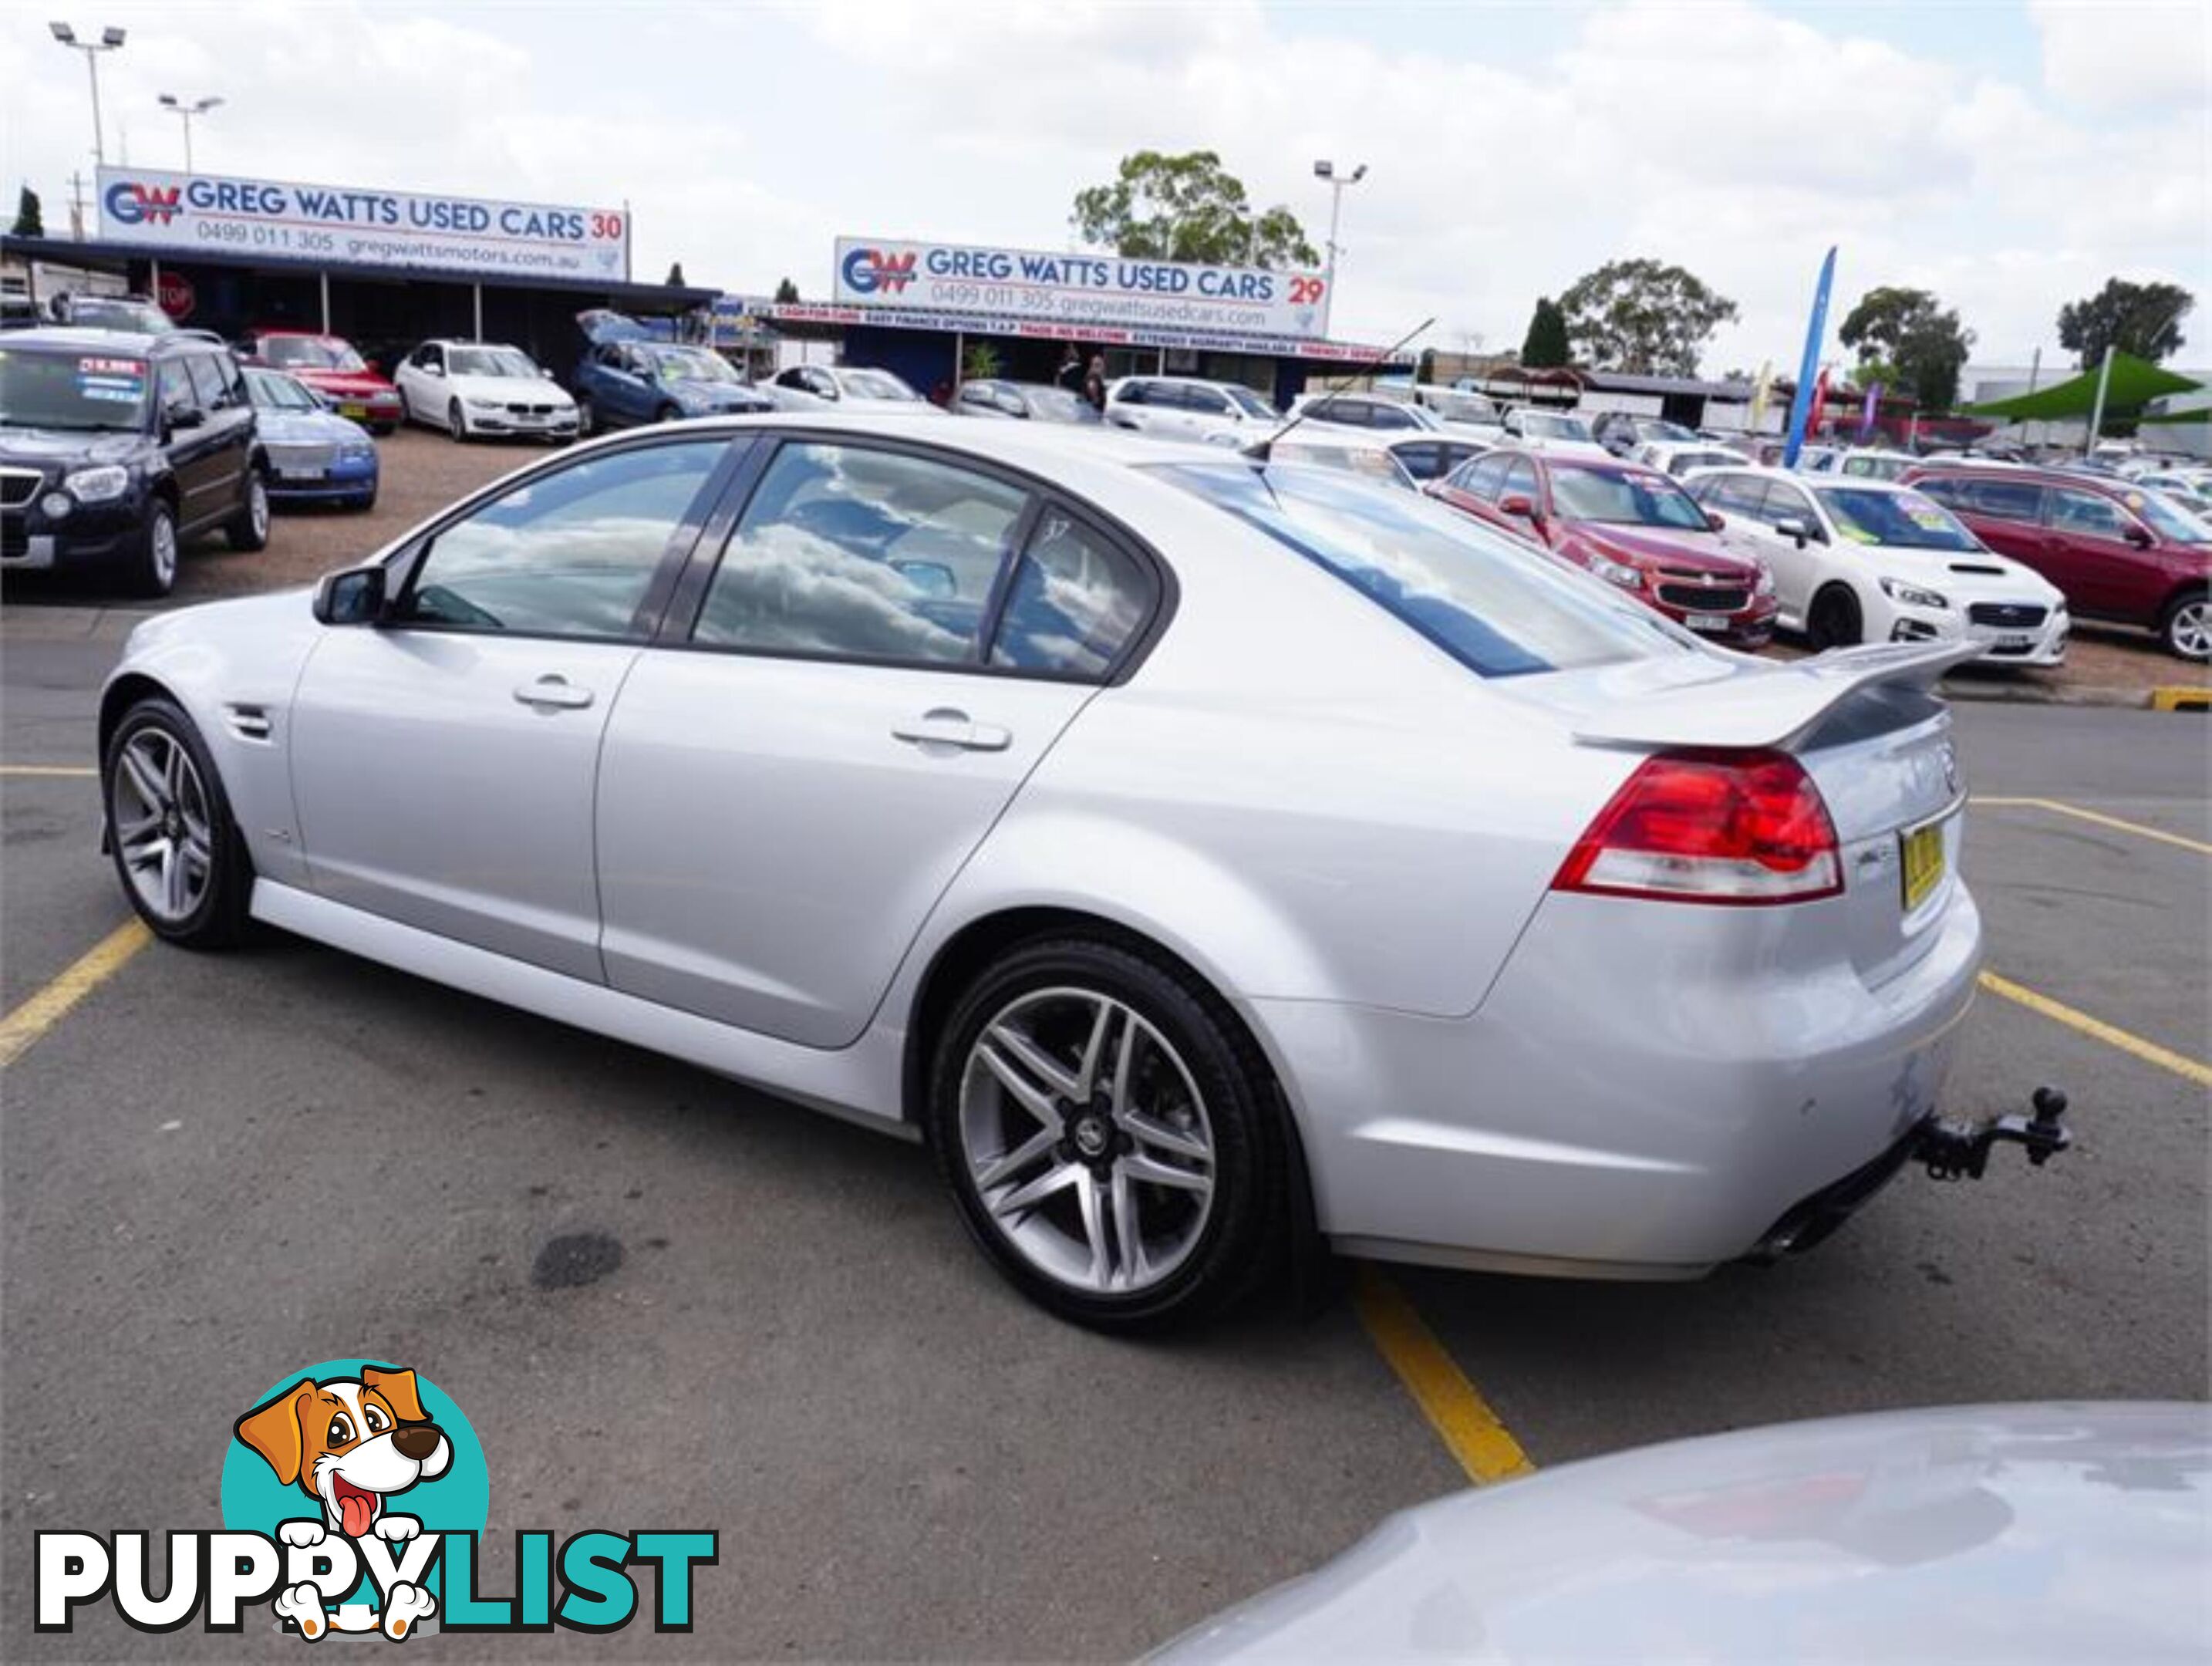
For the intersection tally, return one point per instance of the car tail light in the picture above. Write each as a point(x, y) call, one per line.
point(1739, 829)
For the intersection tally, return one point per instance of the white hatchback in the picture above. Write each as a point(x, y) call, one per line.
point(1868, 561)
point(1185, 408)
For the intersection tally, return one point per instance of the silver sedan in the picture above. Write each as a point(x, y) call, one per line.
point(1199, 853)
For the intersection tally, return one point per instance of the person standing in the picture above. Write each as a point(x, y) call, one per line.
point(1094, 385)
point(1070, 374)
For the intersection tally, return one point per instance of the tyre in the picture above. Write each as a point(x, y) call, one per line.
point(384, 430)
point(1833, 619)
point(587, 420)
point(2185, 627)
point(456, 424)
point(151, 568)
point(366, 502)
point(248, 529)
point(170, 833)
point(1110, 1134)
point(667, 414)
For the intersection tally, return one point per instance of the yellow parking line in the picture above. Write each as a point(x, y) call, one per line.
point(44, 1010)
point(2189, 1069)
point(75, 771)
point(1470, 1430)
point(2173, 698)
point(2099, 818)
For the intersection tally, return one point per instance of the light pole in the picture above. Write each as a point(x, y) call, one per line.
point(109, 41)
point(186, 110)
point(1337, 182)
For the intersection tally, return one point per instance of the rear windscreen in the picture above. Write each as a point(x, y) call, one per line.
point(1500, 609)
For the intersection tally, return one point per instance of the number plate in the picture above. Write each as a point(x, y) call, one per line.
point(1706, 621)
point(355, 410)
point(299, 474)
point(1921, 853)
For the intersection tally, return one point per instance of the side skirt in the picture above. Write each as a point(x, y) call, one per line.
point(860, 1084)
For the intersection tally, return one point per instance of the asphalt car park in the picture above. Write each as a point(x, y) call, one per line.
point(215, 1161)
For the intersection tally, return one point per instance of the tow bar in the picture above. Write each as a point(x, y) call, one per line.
point(1960, 1150)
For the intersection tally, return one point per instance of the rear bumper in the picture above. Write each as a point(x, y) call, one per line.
point(1628, 1101)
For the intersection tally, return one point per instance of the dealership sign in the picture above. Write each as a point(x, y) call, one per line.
point(1046, 290)
point(222, 214)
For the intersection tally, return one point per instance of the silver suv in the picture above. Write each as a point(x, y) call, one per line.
point(1185, 408)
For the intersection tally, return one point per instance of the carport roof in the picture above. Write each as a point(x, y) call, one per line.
point(636, 297)
point(2135, 382)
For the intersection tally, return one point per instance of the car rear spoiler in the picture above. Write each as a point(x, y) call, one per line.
point(1767, 704)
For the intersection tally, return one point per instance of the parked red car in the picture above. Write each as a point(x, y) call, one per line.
point(329, 365)
point(2118, 550)
point(1631, 526)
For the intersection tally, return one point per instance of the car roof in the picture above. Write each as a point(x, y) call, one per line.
point(1851, 482)
point(72, 338)
point(2111, 485)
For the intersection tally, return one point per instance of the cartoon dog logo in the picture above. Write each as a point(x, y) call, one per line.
point(350, 1444)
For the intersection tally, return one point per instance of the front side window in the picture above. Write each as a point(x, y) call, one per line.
point(1392, 416)
point(1788, 503)
point(864, 554)
point(1253, 405)
point(1732, 494)
point(1500, 607)
point(572, 553)
point(1133, 393)
point(1520, 481)
point(2087, 514)
point(1482, 477)
point(208, 384)
point(1076, 602)
point(174, 384)
point(1206, 399)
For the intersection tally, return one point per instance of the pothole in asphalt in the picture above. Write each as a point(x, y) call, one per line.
point(574, 1259)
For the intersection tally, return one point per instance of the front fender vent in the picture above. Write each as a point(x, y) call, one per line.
point(249, 723)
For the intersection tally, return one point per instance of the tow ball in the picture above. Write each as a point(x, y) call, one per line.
point(1960, 1150)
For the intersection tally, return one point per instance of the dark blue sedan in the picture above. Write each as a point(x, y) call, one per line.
point(315, 455)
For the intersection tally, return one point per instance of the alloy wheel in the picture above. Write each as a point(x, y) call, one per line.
point(2190, 630)
point(256, 507)
point(161, 542)
point(162, 827)
point(1087, 1141)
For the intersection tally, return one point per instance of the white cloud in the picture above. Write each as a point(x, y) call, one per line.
point(2126, 55)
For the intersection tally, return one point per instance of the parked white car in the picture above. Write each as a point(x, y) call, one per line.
point(1868, 561)
point(1560, 432)
point(1369, 412)
point(1199, 854)
point(1462, 408)
point(1681, 459)
point(845, 387)
point(1185, 408)
point(473, 388)
point(1873, 463)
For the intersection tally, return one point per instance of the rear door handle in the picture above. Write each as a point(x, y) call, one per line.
point(944, 727)
point(553, 692)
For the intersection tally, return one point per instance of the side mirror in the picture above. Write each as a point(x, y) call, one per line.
point(355, 596)
point(434, 370)
point(544, 372)
point(1519, 505)
point(2137, 535)
point(1715, 521)
point(182, 416)
point(1793, 526)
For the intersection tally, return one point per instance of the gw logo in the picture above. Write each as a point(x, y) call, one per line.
point(131, 204)
point(870, 269)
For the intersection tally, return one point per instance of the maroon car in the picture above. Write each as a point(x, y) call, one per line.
point(1629, 524)
point(2117, 551)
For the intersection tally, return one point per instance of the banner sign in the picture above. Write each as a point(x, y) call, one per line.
point(180, 213)
point(729, 332)
point(1801, 407)
point(892, 274)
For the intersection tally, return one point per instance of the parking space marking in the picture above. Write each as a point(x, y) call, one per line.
point(1462, 1419)
point(2097, 816)
point(72, 771)
point(2189, 1069)
point(44, 1010)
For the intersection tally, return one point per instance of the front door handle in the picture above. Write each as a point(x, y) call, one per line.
point(553, 692)
point(944, 727)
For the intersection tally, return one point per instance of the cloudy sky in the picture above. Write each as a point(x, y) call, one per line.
point(2009, 156)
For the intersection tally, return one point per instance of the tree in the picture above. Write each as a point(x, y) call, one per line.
point(979, 363)
point(1545, 346)
point(1187, 207)
point(786, 293)
point(2142, 319)
point(29, 220)
point(1642, 317)
point(1910, 334)
point(675, 275)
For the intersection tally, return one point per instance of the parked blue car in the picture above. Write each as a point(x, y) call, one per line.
point(315, 455)
point(627, 377)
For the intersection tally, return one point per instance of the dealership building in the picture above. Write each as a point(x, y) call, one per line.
point(384, 269)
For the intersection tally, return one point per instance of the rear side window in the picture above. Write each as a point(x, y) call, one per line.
point(862, 554)
point(1076, 602)
point(1499, 609)
point(1391, 416)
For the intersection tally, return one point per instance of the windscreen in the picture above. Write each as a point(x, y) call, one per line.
point(1500, 609)
point(272, 390)
point(77, 391)
point(310, 353)
point(1620, 498)
point(489, 362)
point(1057, 404)
point(1900, 520)
point(689, 364)
point(1550, 425)
point(875, 384)
point(2168, 518)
